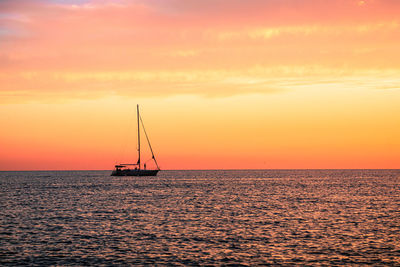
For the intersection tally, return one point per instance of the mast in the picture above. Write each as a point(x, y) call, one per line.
point(138, 134)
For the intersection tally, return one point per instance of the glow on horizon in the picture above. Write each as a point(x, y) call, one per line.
point(222, 84)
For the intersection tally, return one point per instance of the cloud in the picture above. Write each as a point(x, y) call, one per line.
point(213, 48)
point(50, 86)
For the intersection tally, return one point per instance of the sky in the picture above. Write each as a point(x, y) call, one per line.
point(256, 84)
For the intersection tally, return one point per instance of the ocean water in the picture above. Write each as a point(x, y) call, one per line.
point(249, 217)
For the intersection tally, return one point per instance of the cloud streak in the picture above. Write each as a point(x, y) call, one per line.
point(213, 48)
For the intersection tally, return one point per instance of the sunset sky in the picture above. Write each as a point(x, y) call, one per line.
point(221, 84)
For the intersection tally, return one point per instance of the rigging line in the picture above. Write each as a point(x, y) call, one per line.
point(148, 141)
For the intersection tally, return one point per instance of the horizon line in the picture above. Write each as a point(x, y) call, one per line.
point(252, 169)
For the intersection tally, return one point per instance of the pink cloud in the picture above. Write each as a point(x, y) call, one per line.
point(197, 36)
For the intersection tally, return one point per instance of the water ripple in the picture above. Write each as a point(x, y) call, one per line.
point(278, 217)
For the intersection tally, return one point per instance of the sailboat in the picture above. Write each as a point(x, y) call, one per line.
point(131, 169)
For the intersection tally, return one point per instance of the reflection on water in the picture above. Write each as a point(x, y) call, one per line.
point(201, 217)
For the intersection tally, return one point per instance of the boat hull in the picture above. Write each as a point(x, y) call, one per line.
point(134, 173)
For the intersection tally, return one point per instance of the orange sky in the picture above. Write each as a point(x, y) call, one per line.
point(221, 84)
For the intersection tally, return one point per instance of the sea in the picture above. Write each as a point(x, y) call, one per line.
point(201, 218)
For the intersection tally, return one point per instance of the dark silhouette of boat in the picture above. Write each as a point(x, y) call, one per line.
point(131, 169)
